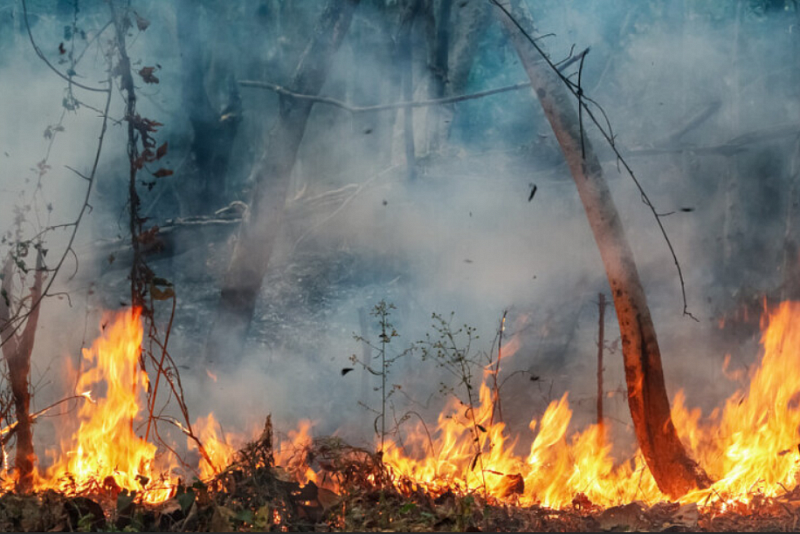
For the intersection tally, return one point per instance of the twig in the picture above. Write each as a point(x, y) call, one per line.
point(496, 370)
point(160, 369)
point(380, 107)
point(8, 431)
point(47, 62)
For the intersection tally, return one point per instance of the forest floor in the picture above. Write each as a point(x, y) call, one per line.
point(254, 495)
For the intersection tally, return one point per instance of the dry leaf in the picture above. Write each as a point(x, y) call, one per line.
point(162, 151)
point(147, 75)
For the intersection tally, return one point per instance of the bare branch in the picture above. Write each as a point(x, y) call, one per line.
point(47, 62)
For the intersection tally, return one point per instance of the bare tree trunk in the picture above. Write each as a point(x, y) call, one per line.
point(214, 130)
point(454, 41)
point(271, 175)
point(405, 57)
point(673, 470)
point(17, 350)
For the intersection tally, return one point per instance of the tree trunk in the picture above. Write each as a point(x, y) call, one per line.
point(17, 350)
point(404, 54)
point(271, 176)
point(673, 470)
point(213, 130)
point(454, 41)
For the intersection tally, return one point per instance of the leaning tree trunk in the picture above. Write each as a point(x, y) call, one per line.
point(271, 175)
point(673, 470)
point(17, 350)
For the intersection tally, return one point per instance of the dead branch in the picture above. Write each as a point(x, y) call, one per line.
point(381, 107)
point(50, 65)
point(398, 105)
point(9, 328)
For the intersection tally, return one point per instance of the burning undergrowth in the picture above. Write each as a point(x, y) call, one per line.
point(464, 473)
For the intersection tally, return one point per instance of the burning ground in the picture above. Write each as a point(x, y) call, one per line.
point(464, 473)
point(268, 241)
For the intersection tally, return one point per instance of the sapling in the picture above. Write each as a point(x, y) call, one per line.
point(381, 312)
point(461, 362)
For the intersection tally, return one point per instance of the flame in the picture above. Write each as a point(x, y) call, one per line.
point(749, 447)
point(105, 454)
point(219, 450)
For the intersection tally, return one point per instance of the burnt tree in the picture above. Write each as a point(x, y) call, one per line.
point(17, 350)
point(271, 176)
point(673, 470)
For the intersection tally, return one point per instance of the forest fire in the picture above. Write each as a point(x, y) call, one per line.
point(102, 451)
point(749, 447)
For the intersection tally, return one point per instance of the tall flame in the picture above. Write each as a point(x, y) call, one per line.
point(749, 447)
point(104, 453)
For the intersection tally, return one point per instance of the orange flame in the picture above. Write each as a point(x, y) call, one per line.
point(105, 454)
point(750, 447)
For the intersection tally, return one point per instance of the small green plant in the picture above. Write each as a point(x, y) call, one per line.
point(381, 364)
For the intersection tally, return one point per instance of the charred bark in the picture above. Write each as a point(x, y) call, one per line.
point(271, 176)
point(17, 350)
point(674, 472)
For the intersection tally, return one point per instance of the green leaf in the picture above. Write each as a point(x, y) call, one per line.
point(185, 500)
point(263, 518)
point(244, 515)
point(408, 507)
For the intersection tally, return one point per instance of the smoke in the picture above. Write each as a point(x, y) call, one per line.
point(464, 237)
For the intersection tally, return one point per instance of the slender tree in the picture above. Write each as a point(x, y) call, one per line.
point(17, 351)
point(673, 470)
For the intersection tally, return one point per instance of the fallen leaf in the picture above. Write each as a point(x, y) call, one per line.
point(628, 517)
point(161, 173)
